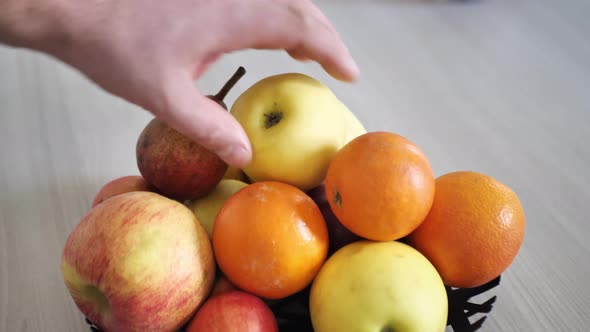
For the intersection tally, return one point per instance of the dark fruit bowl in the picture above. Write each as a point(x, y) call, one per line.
point(461, 309)
point(292, 313)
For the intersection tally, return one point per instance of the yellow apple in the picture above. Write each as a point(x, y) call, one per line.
point(295, 125)
point(206, 208)
point(235, 174)
point(371, 286)
point(353, 126)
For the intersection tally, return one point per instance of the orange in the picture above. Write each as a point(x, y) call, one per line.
point(474, 229)
point(380, 186)
point(270, 239)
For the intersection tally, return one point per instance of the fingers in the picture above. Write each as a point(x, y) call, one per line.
point(205, 64)
point(298, 55)
point(319, 41)
point(204, 121)
point(296, 26)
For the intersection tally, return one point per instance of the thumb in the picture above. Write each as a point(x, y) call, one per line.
point(204, 121)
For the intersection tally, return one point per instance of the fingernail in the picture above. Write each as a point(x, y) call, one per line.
point(352, 68)
point(237, 155)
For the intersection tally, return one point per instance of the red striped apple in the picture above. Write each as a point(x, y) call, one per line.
point(122, 185)
point(234, 311)
point(138, 262)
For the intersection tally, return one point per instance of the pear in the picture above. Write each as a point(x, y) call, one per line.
point(177, 166)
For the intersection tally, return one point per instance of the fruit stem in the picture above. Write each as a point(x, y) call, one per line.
point(230, 83)
point(337, 199)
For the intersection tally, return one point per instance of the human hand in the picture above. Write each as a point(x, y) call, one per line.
point(150, 52)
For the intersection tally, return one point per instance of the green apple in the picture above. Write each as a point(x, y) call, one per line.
point(206, 208)
point(138, 262)
point(371, 286)
point(295, 125)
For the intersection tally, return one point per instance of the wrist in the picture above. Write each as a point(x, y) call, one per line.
point(36, 24)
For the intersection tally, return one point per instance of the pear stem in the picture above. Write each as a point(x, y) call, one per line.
point(230, 83)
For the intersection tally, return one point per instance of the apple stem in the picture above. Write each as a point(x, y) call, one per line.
point(230, 83)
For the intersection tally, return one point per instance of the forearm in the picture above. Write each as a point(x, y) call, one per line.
point(35, 24)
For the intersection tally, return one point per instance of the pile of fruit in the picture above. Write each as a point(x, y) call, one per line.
point(351, 222)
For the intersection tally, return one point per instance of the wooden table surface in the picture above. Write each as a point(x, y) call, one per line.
point(496, 86)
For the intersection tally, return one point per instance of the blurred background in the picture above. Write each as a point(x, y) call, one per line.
point(496, 86)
